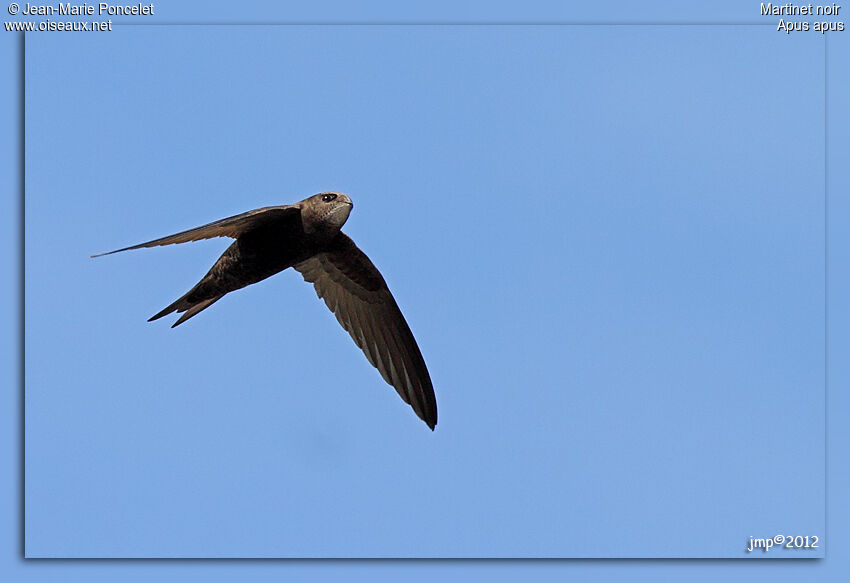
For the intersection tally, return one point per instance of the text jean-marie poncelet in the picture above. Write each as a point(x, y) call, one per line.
point(85, 9)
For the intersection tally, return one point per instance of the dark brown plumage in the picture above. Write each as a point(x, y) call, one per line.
point(307, 237)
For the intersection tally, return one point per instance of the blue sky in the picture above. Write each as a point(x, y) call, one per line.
point(607, 240)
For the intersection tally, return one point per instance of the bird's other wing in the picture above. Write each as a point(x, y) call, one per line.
point(229, 227)
point(356, 293)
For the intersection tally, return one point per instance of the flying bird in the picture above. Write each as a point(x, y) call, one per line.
point(307, 237)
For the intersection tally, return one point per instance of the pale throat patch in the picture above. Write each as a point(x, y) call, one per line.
point(338, 215)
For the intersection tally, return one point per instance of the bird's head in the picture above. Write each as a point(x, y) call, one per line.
point(326, 211)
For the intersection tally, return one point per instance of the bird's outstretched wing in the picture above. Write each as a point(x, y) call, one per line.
point(356, 293)
point(229, 227)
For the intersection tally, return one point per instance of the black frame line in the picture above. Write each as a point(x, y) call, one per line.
point(21, 270)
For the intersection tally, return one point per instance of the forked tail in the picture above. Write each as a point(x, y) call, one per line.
point(186, 306)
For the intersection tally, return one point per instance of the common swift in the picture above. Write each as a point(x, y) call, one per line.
point(307, 237)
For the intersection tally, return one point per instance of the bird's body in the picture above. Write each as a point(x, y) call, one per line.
point(307, 236)
point(255, 255)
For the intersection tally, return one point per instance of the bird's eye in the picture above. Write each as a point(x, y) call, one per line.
point(328, 197)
